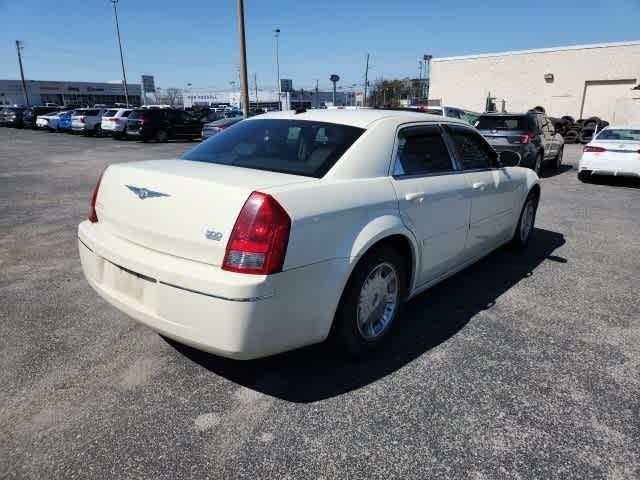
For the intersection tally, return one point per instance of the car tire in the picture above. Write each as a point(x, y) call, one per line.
point(97, 130)
point(557, 163)
point(526, 222)
point(383, 269)
point(584, 177)
point(161, 136)
point(537, 166)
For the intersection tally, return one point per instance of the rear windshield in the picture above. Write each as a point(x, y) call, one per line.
point(434, 111)
point(619, 134)
point(109, 113)
point(126, 113)
point(297, 147)
point(505, 122)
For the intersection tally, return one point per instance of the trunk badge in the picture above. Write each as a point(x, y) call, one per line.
point(212, 235)
point(143, 193)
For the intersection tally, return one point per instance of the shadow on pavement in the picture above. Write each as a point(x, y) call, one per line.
point(550, 172)
point(315, 373)
point(629, 182)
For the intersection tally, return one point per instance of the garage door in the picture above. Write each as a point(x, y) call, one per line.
point(601, 96)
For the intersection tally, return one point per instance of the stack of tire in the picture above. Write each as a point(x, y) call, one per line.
point(578, 131)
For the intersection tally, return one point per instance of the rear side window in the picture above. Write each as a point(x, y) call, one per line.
point(297, 147)
point(109, 113)
point(126, 113)
point(505, 122)
point(421, 151)
point(619, 134)
point(472, 150)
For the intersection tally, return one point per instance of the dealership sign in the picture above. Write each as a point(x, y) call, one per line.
point(148, 84)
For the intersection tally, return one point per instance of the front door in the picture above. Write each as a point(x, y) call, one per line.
point(434, 198)
point(493, 191)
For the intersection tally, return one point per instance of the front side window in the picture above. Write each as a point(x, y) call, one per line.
point(421, 151)
point(472, 150)
point(297, 147)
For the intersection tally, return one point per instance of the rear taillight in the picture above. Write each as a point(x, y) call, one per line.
point(259, 238)
point(142, 121)
point(81, 119)
point(115, 120)
point(592, 149)
point(526, 138)
point(93, 216)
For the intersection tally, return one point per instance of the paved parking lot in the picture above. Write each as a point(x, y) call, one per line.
point(522, 366)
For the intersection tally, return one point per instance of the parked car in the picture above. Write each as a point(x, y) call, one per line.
point(614, 151)
point(11, 116)
point(288, 227)
point(114, 122)
point(50, 121)
point(211, 129)
point(88, 121)
point(448, 112)
point(162, 124)
point(530, 134)
point(64, 124)
point(31, 114)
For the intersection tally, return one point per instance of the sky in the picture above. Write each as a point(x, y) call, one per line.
point(196, 41)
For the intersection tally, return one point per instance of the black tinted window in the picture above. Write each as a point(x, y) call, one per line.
point(505, 122)
point(472, 151)
point(421, 150)
point(298, 147)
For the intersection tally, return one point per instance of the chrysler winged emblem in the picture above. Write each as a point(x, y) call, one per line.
point(143, 193)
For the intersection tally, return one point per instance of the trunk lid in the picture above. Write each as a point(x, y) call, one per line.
point(180, 207)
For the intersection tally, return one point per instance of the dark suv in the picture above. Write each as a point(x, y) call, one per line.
point(530, 134)
point(162, 124)
point(11, 116)
point(30, 115)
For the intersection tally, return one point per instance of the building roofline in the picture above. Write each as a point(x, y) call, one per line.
point(540, 50)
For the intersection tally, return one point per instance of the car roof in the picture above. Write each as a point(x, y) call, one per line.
point(510, 114)
point(362, 117)
point(622, 126)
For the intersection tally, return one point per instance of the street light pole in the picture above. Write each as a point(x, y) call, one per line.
point(124, 75)
point(276, 33)
point(244, 84)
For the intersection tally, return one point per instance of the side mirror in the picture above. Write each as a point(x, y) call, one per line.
point(509, 158)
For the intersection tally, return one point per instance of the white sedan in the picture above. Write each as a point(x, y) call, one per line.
point(289, 227)
point(49, 121)
point(614, 151)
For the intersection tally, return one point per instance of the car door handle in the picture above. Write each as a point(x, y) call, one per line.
point(479, 186)
point(417, 197)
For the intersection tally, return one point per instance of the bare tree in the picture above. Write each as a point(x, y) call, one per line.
point(170, 96)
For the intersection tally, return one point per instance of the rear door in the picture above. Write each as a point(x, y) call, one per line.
point(547, 136)
point(433, 196)
point(493, 191)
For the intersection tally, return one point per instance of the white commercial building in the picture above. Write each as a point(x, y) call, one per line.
point(582, 81)
point(265, 98)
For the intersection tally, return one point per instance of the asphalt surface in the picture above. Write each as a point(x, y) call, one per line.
point(525, 365)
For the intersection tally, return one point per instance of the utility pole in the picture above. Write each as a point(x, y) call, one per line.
point(420, 83)
point(255, 82)
point(24, 84)
point(276, 33)
point(244, 87)
point(366, 82)
point(317, 94)
point(124, 75)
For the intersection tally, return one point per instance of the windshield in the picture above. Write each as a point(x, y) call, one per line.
point(504, 122)
point(298, 147)
point(619, 134)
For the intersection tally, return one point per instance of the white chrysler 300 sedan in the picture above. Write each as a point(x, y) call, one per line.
point(286, 228)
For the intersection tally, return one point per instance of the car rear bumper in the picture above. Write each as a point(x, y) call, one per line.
point(594, 164)
point(232, 315)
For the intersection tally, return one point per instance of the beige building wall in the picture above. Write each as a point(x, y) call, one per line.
point(587, 80)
